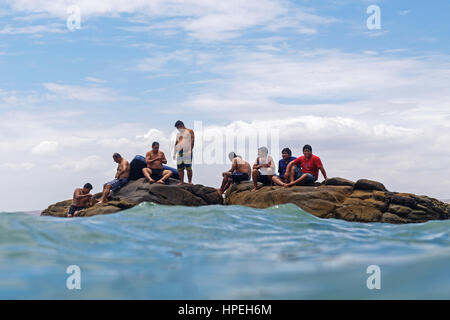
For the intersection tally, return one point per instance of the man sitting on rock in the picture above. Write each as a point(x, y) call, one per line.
point(263, 168)
point(240, 171)
point(286, 158)
point(121, 178)
point(81, 200)
point(309, 165)
point(155, 160)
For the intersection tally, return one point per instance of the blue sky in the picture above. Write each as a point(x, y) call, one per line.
point(373, 103)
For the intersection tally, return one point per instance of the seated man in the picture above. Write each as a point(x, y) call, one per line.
point(240, 171)
point(155, 160)
point(309, 165)
point(82, 199)
point(286, 157)
point(121, 178)
point(263, 168)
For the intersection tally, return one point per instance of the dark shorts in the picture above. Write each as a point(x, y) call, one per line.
point(73, 208)
point(239, 176)
point(264, 179)
point(116, 184)
point(157, 174)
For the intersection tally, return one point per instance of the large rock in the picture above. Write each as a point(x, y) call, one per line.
point(139, 191)
point(363, 201)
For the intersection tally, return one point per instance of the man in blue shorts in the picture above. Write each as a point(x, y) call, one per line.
point(286, 158)
point(121, 178)
point(240, 171)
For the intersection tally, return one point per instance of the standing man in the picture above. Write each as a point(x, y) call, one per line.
point(184, 145)
point(121, 178)
point(286, 158)
point(155, 160)
point(81, 200)
point(309, 165)
point(240, 171)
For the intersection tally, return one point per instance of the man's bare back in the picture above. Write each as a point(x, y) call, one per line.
point(240, 165)
point(123, 170)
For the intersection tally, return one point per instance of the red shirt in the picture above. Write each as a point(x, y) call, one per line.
point(309, 166)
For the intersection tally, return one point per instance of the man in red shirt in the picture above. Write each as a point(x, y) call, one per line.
point(310, 166)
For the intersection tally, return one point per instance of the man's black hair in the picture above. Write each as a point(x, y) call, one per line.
point(307, 147)
point(287, 150)
point(155, 143)
point(179, 123)
point(88, 186)
point(117, 155)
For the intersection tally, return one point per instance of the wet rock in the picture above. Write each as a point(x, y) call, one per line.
point(364, 184)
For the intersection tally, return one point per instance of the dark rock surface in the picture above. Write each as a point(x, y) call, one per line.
point(361, 201)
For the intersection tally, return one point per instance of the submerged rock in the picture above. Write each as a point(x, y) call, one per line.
point(361, 201)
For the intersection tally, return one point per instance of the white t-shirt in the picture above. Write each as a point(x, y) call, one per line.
point(270, 171)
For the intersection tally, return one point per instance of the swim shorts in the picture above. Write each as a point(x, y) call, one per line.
point(157, 174)
point(73, 209)
point(264, 179)
point(116, 184)
point(239, 176)
point(184, 161)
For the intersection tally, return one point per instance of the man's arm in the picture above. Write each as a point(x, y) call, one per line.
point(322, 169)
point(233, 166)
point(78, 195)
point(192, 139)
point(256, 165)
point(163, 158)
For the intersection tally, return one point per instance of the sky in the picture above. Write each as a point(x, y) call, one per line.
point(373, 103)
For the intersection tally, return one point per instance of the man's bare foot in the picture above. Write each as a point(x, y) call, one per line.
point(254, 189)
point(179, 184)
point(69, 216)
point(160, 182)
point(219, 191)
point(190, 182)
point(100, 202)
point(151, 181)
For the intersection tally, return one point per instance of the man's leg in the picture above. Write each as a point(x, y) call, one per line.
point(166, 175)
point(226, 177)
point(147, 173)
point(189, 174)
point(106, 190)
point(181, 175)
point(277, 181)
point(228, 184)
point(300, 180)
point(255, 174)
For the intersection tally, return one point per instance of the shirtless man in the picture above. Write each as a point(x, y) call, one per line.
point(240, 171)
point(121, 178)
point(81, 200)
point(155, 160)
point(184, 146)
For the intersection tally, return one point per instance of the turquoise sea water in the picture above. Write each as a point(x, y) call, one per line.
point(220, 252)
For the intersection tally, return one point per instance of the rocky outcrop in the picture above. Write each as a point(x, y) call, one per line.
point(361, 201)
point(139, 191)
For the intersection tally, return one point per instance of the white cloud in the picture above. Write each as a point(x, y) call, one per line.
point(51, 28)
point(72, 92)
point(201, 19)
point(89, 163)
point(45, 148)
point(93, 79)
point(21, 166)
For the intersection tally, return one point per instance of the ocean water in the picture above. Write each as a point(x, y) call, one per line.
point(220, 252)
